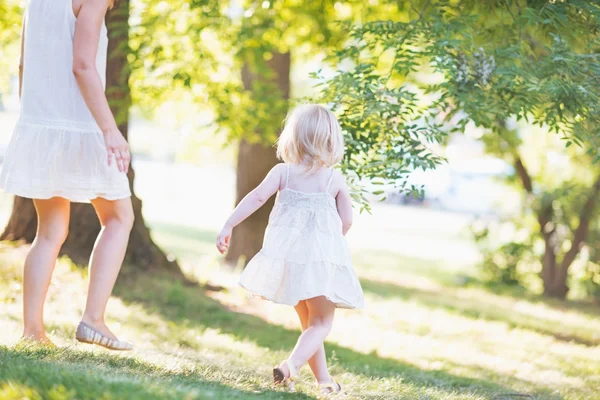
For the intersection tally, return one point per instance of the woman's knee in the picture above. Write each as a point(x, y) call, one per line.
point(54, 233)
point(52, 220)
point(126, 218)
point(123, 220)
point(118, 214)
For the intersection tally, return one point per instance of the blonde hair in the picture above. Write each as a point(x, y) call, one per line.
point(311, 136)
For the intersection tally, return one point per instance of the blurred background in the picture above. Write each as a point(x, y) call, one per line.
point(471, 148)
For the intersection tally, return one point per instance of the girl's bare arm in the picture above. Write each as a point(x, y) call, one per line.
point(252, 202)
point(344, 204)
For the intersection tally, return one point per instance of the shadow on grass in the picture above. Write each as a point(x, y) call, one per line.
point(479, 309)
point(190, 307)
point(459, 276)
point(589, 307)
point(85, 375)
point(387, 262)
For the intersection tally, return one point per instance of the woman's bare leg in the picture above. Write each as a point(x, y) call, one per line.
point(116, 218)
point(52, 230)
point(318, 362)
point(320, 320)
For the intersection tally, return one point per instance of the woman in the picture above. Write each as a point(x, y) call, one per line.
point(67, 148)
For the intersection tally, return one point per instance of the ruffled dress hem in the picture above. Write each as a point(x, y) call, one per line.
point(339, 303)
point(63, 159)
point(284, 282)
point(41, 194)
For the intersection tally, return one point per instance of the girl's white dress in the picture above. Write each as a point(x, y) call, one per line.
point(57, 149)
point(304, 254)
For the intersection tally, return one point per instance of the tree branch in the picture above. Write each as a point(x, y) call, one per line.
point(510, 11)
point(424, 8)
point(523, 174)
point(544, 216)
point(412, 7)
point(580, 234)
point(404, 38)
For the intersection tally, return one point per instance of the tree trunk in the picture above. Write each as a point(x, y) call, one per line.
point(556, 285)
point(254, 161)
point(548, 263)
point(550, 273)
point(84, 227)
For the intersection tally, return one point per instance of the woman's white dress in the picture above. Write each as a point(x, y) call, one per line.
point(57, 149)
point(304, 253)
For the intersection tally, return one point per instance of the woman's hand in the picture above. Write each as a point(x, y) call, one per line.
point(117, 147)
point(223, 239)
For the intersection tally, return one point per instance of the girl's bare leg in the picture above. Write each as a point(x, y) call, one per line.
point(116, 218)
point(320, 320)
point(52, 230)
point(318, 362)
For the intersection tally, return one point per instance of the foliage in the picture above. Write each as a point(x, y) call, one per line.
point(490, 61)
point(515, 262)
point(507, 263)
point(562, 180)
point(487, 63)
point(10, 33)
point(384, 139)
point(586, 275)
point(197, 53)
point(217, 43)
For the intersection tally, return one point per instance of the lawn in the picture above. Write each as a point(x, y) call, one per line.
point(421, 336)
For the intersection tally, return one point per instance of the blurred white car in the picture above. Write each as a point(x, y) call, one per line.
point(471, 186)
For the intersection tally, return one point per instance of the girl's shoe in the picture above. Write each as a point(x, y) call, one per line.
point(330, 388)
point(87, 334)
point(279, 377)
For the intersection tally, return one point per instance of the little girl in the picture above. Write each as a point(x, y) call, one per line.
point(305, 261)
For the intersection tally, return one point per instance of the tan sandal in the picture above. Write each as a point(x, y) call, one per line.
point(280, 378)
point(330, 388)
point(87, 334)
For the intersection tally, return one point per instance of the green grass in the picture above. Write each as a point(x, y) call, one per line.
point(186, 243)
point(421, 336)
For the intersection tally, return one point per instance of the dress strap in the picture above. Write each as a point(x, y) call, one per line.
point(329, 180)
point(287, 174)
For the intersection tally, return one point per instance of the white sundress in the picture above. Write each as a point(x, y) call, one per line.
point(304, 254)
point(57, 148)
